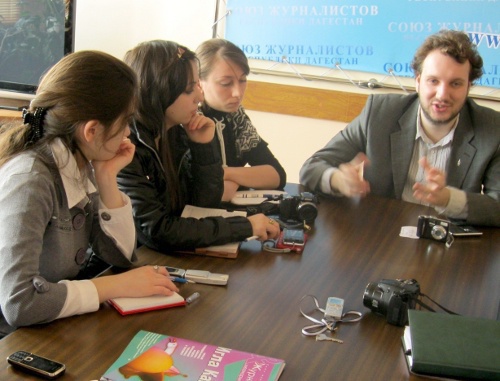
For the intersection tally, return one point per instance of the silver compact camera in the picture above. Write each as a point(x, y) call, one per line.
point(433, 228)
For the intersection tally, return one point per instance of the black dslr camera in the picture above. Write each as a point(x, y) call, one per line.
point(433, 228)
point(392, 298)
point(299, 208)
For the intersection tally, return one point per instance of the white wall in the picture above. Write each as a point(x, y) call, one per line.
point(115, 26)
point(293, 139)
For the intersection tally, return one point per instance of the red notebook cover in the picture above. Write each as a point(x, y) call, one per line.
point(127, 306)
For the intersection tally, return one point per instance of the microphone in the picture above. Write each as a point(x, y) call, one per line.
point(371, 84)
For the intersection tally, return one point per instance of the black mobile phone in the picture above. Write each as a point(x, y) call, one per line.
point(174, 271)
point(464, 231)
point(36, 365)
point(293, 237)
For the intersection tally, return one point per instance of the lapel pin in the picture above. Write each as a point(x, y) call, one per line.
point(458, 163)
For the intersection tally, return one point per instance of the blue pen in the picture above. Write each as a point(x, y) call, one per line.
point(180, 280)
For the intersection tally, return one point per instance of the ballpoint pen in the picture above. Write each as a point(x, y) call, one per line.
point(181, 280)
point(361, 167)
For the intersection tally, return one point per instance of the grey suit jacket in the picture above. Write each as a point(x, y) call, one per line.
point(385, 131)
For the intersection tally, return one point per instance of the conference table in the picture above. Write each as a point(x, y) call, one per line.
point(352, 242)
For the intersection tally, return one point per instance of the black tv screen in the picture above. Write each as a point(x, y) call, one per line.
point(34, 35)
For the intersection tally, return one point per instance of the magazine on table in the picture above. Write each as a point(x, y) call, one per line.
point(152, 356)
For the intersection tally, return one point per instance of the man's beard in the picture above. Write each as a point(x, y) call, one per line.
point(429, 117)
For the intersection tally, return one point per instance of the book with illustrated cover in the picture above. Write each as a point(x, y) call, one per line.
point(229, 250)
point(151, 356)
point(127, 306)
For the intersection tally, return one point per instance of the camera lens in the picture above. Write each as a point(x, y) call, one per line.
point(439, 233)
point(373, 298)
point(392, 298)
point(307, 211)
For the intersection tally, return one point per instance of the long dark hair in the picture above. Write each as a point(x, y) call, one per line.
point(164, 71)
point(82, 86)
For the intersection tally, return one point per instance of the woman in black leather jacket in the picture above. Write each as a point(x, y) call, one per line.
point(177, 161)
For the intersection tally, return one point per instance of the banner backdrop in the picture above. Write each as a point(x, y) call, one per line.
point(377, 36)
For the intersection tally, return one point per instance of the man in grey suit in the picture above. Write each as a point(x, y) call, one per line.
point(436, 147)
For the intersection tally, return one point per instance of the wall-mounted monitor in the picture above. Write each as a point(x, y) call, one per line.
point(34, 35)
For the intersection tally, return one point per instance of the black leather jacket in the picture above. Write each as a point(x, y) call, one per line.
point(201, 180)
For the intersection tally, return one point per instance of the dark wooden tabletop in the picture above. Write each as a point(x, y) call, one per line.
point(352, 244)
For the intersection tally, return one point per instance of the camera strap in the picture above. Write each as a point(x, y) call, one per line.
point(449, 241)
point(269, 245)
point(421, 303)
